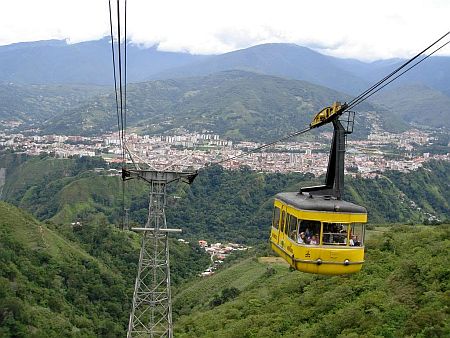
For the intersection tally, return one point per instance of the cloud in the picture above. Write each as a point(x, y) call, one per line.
point(361, 29)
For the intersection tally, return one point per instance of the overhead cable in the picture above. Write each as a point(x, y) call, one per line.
point(363, 96)
point(114, 73)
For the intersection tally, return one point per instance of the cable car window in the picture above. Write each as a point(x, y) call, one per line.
point(286, 227)
point(334, 233)
point(276, 217)
point(309, 232)
point(357, 234)
point(293, 227)
point(283, 216)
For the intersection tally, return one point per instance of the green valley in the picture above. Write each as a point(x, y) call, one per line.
point(183, 175)
point(72, 273)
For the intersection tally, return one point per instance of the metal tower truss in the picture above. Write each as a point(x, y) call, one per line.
point(151, 313)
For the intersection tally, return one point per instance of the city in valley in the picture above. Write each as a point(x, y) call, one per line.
point(379, 152)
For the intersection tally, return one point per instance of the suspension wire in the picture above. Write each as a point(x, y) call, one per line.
point(123, 92)
point(114, 72)
point(387, 77)
point(120, 87)
point(396, 77)
point(125, 74)
point(120, 77)
point(124, 126)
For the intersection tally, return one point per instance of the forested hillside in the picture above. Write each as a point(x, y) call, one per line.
point(237, 105)
point(402, 291)
point(77, 282)
point(219, 205)
point(417, 104)
point(64, 281)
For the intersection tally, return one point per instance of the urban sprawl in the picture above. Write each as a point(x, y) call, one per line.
point(195, 150)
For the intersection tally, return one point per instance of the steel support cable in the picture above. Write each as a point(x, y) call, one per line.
point(124, 126)
point(387, 77)
point(120, 77)
point(120, 94)
point(121, 107)
point(393, 79)
point(114, 72)
point(125, 74)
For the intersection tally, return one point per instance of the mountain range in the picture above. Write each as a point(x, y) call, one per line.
point(56, 61)
point(256, 93)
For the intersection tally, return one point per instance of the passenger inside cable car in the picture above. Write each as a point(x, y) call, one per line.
point(332, 243)
point(310, 232)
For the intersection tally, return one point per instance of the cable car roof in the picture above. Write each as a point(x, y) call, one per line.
point(304, 201)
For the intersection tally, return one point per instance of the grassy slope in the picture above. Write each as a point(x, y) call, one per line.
point(402, 291)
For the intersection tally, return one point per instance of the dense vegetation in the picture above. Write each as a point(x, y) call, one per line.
point(59, 279)
point(219, 205)
point(402, 291)
point(64, 281)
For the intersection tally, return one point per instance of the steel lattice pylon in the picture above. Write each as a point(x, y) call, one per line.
point(151, 313)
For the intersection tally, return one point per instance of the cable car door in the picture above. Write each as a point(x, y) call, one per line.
point(281, 229)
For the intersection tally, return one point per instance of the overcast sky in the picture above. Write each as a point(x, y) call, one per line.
point(362, 29)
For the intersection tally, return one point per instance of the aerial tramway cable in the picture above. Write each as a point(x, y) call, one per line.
point(114, 72)
point(361, 97)
point(396, 77)
point(120, 87)
point(125, 73)
point(122, 92)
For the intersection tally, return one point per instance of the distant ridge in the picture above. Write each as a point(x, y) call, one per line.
point(279, 59)
point(418, 105)
point(57, 62)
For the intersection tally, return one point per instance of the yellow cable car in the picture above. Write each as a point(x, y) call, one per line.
point(314, 230)
point(318, 234)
